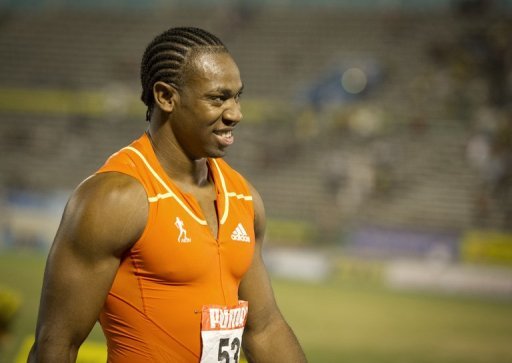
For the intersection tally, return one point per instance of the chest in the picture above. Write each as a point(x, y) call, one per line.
point(207, 201)
point(203, 201)
point(191, 239)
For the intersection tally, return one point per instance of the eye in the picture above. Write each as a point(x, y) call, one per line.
point(217, 98)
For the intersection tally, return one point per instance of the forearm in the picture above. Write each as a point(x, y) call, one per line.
point(277, 343)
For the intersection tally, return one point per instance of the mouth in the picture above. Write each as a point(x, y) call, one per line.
point(224, 136)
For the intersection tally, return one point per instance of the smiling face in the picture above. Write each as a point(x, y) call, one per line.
point(208, 106)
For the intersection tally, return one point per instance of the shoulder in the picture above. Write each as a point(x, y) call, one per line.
point(110, 185)
point(123, 161)
point(108, 210)
point(129, 159)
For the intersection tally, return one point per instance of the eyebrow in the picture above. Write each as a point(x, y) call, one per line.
point(226, 91)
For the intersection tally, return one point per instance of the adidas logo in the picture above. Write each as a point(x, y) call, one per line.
point(239, 234)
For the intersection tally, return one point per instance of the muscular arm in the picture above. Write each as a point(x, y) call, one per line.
point(103, 218)
point(267, 336)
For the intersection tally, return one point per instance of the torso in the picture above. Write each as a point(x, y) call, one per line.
point(197, 244)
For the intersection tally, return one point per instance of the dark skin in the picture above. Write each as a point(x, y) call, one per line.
point(107, 214)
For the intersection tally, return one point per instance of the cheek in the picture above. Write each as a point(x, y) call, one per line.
point(199, 122)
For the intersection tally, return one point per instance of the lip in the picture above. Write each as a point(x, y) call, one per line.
point(224, 136)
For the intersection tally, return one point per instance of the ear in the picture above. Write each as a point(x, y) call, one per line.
point(165, 96)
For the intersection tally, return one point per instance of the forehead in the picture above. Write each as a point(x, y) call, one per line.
point(209, 71)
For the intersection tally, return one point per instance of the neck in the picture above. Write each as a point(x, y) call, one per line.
point(174, 161)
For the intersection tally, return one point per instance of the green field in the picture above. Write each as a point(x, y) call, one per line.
point(337, 321)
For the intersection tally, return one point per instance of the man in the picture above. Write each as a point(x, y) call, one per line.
point(163, 243)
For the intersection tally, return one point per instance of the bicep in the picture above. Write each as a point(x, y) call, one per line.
point(255, 286)
point(82, 263)
point(74, 289)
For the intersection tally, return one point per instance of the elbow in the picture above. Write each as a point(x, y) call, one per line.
point(32, 354)
point(49, 350)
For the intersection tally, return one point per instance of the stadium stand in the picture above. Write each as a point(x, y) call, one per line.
point(402, 143)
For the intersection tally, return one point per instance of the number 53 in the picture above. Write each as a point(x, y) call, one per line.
point(225, 349)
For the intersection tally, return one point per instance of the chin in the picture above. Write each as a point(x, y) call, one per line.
point(218, 154)
point(219, 151)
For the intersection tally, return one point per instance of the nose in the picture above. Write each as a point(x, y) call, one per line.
point(233, 112)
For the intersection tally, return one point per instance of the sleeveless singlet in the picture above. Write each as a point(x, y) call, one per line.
point(153, 310)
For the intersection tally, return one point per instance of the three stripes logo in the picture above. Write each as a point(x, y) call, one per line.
point(239, 234)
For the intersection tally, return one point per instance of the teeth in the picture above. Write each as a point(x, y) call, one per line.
point(227, 133)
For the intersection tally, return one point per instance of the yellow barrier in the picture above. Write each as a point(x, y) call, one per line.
point(102, 102)
point(90, 352)
point(487, 247)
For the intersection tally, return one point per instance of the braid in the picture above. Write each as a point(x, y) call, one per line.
point(165, 57)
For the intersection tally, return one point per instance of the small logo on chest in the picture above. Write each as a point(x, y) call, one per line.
point(240, 234)
point(182, 237)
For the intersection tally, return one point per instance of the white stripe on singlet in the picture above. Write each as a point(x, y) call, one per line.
point(170, 193)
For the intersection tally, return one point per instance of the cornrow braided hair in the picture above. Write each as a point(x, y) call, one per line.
point(167, 54)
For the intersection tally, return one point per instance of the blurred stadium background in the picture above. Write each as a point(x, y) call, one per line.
point(379, 133)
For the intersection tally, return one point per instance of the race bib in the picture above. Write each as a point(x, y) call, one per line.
point(221, 332)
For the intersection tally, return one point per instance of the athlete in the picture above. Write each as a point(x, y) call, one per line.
point(163, 243)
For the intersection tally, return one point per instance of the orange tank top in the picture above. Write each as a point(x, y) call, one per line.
point(153, 310)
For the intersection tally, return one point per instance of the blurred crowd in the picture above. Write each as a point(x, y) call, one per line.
point(382, 118)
